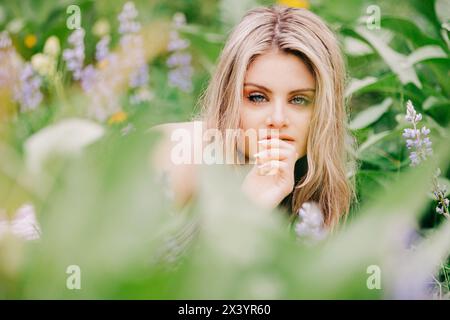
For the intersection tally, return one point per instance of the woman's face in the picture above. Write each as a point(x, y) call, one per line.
point(278, 94)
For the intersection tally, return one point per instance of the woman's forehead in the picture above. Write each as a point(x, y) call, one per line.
point(279, 70)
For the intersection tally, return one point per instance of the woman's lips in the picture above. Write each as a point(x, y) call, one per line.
point(283, 137)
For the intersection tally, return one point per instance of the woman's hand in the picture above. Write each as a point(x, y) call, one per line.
point(272, 177)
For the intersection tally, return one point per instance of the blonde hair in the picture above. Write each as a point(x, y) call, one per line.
point(329, 179)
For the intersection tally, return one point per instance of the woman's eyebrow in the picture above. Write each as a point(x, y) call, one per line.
point(268, 90)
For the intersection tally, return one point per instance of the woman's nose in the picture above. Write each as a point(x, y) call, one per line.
point(278, 117)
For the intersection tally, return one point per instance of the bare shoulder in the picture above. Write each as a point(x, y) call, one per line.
point(182, 176)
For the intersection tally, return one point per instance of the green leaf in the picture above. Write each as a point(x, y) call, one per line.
point(408, 30)
point(400, 64)
point(370, 115)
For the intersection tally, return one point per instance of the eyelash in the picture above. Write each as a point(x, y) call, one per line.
point(251, 96)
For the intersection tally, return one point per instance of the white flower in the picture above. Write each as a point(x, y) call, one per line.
point(52, 47)
point(23, 224)
point(311, 225)
point(68, 136)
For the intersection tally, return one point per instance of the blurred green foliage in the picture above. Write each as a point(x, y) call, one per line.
point(104, 210)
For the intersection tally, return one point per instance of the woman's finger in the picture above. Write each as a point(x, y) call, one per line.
point(274, 154)
point(275, 143)
point(273, 167)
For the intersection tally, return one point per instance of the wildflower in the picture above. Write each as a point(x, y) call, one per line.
point(88, 78)
point(129, 28)
point(28, 93)
point(139, 82)
point(42, 64)
point(179, 62)
point(102, 48)
point(118, 117)
point(74, 57)
point(311, 225)
point(295, 3)
point(140, 77)
point(30, 41)
point(416, 140)
point(127, 23)
point(140, 95)
point(5, 40)
point(101, 28)
point(23, 224)
point(52, 47)
point(65, 138)
point(440, 192)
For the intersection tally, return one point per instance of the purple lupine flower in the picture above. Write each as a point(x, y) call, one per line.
point(88, 78)
point(180, 77)
point(102, 48)
point(439, 192)
point(179, 59)
point(128, 26)
point(28, 93)
point(179, 62)
point(74, 56)
point(176, 43)
point(140, 77)
point(127, 19)
point(416, 140)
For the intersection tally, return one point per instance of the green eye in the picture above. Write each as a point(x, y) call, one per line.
point(300, 100)
point(256, 98)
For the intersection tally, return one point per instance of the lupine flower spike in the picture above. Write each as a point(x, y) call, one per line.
point(439, 192)
point(416, 140)
point(74, 56)
point(179, 61)
point(28, 93)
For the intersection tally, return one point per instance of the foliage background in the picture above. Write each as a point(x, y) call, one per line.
point(104, 210)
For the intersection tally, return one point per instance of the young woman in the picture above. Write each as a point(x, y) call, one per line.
point(280, 74)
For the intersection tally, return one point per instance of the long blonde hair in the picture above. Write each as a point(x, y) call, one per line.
point(329, 180)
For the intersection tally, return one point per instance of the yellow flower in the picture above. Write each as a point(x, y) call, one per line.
point(118, 117)
point(30, 41)
point(295, 3)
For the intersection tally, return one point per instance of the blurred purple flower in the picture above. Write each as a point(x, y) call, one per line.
point(416, 140)
point(28, 93)
point(440, 192)
point(88, 78)
point(140, 77)
point(102, 48)
point(127, 19)
point(179, 62)
point(74, 56)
